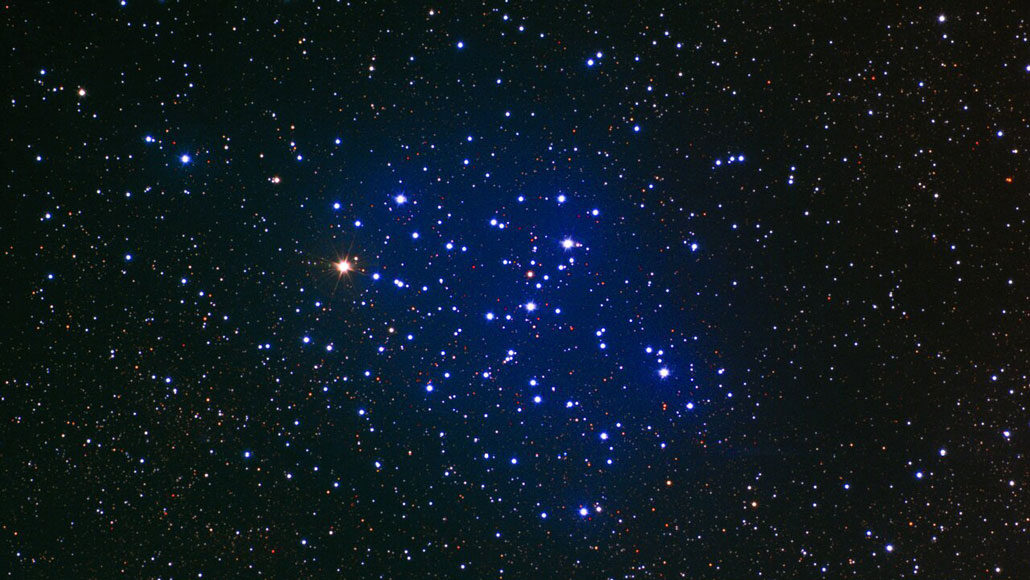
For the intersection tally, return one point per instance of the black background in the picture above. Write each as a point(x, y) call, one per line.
point(850, 332)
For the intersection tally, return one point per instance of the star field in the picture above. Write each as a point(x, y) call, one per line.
point(515, 290)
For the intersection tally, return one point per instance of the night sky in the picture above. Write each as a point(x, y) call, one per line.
point(501, 290)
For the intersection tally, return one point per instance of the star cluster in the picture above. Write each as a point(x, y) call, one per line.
point(507, 290)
